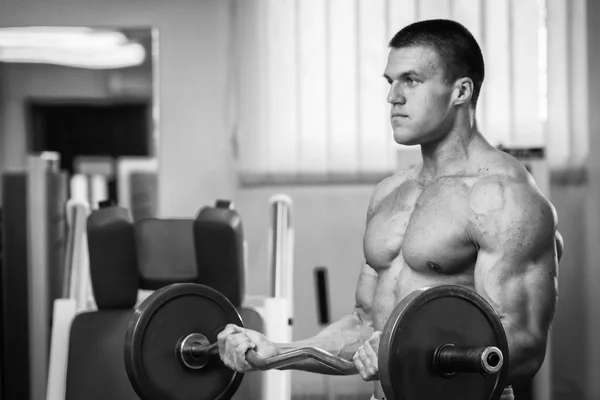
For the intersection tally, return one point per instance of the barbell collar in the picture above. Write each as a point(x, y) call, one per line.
point(195, 350)
point(451, 359)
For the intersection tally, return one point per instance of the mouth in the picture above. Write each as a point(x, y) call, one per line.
point(399, 116)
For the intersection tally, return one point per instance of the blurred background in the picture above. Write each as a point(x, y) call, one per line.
point(245, 99)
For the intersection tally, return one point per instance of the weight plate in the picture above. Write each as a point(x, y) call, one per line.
point(154, 365)
point(426, 319)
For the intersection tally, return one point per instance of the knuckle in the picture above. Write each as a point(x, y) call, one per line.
point(373, 355)
point(242, 349)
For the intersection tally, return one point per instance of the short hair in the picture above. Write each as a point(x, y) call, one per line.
point(456, 46)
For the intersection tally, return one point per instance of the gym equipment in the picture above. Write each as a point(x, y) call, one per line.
point(442, 341)
point(170, 322)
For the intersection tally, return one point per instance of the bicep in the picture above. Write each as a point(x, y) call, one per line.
point(365, 291)
point(517, 263)
point(517, 270)
point(522, 291)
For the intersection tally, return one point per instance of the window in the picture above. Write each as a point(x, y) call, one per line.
point(311, 102)
point(567, 129)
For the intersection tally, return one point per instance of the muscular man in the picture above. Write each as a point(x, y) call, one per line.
point(468, 215)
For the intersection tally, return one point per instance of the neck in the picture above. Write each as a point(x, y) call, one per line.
point(450, 154)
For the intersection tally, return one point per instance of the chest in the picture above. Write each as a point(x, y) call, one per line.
point(425, 226)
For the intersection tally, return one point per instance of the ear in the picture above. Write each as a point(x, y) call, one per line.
point(463, 91)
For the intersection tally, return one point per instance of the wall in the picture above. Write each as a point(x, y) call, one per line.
point(192, 71)
point(570, 325)
point(592, 227)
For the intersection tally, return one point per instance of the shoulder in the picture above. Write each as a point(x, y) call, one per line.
point(504, 177)
point(504, 202)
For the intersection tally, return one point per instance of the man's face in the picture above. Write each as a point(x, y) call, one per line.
point(420, 97)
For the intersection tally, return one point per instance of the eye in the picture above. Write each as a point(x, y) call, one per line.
point(410, 81)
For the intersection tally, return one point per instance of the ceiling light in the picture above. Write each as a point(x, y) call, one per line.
point(70, 46)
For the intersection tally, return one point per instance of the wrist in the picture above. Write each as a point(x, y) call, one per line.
point(278, 348)
point(283, 348)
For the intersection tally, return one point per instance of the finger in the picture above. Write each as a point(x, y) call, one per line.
point(222, 341)
point(234, 340)
point(228, 346)
point(371, 355)
point(374, 340)
point(360, 366)
point(228, 330)
point(237, 329)
point(366, 361)
point(228, 358)
point(241, 365)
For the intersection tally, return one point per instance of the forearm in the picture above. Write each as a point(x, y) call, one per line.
point(526, 354)
point(341, 339)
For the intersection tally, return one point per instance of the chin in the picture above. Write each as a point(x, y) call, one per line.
point(406, 138)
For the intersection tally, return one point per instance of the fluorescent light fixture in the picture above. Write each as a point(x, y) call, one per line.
point(70, 46)
point(123, 56)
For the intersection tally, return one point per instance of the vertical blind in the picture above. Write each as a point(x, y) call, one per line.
point(310, 99)
point(567, 129)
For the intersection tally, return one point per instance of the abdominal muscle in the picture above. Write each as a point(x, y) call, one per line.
point(399, 280)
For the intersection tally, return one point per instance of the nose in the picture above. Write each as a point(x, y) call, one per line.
point(396, 95)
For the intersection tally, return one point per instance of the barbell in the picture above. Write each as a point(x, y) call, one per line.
point(439, 342)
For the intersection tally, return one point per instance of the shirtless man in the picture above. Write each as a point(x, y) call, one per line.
point(468, 215)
